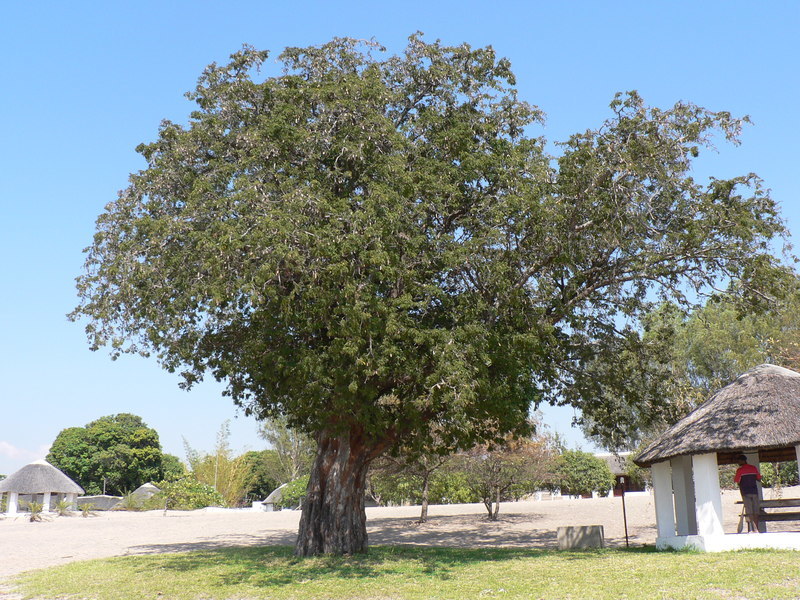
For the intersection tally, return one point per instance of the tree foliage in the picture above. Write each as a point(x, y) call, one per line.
point(507, 471)
point(222, 471)
point(581, 473)
point(172, 467)
point(264, 472)
point(692, 356)
point(292, 493)
point(410, 478)
point(115, 454)
point(374, 248)
point(185, 493)
point(293, 449)
point(393, 485)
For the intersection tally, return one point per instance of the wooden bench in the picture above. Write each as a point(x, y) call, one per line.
point(773, 515)
point(779, 515)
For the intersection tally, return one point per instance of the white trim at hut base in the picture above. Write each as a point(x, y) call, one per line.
point(730, 542)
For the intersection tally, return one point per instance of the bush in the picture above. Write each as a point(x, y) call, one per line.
point(778, 475)
point(292, 495)
point(581, 473)
point(130, 502)
point(35, 508)
point(63, 508)
point(184, 494)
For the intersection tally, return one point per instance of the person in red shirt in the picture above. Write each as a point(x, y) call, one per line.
point(747, 477)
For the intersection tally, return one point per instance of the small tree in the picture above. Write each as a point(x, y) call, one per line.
point(507, 471)
point(417, 473)
point(580, 473)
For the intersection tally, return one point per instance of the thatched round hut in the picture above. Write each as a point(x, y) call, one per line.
point(39, 478)
point(757, 415)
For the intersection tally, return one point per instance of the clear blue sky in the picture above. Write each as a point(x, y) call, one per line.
point(84, 82)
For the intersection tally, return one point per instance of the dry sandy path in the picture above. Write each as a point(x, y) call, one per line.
point(25, 545)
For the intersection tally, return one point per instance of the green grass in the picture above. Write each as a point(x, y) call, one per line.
point(424, 573)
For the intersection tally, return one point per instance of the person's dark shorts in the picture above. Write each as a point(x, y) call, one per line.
point(751, 504)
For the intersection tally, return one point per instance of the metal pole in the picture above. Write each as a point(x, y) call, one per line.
point(624, 513)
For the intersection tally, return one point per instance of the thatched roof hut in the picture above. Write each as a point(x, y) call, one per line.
point(145, 491)
point(758, 412)
point(39, 477)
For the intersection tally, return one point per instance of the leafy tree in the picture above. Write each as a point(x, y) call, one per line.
point(292, 493)
point(222, 471)
point(374, 248)
point(581, 473)
point(185, 493)
point(172, 467)
point(114, 454)
point(294, 450)
point(507, 471)
point(412, 478)
point(777, 475)
point(263, 467)
point(692, 356)
point(448, 485)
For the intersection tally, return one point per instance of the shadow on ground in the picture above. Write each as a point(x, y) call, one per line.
point(273, 538)
point(456, 531)
point(275, 566)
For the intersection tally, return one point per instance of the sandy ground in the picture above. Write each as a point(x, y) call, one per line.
point(25, 545)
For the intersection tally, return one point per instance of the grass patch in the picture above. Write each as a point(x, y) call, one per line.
point(424, 573)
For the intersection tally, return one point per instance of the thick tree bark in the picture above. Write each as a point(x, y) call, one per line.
point(333, 519)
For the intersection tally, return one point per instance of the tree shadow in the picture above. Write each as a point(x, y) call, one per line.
point(271, 566)
point(437, 548)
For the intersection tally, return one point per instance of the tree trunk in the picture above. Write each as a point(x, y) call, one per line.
point(496, 504)
point(487, 503)
point(333, 519)
point(423, 515)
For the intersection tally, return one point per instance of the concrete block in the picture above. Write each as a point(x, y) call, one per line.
point(579, 537)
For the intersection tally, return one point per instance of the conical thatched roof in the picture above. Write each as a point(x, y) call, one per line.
point(39, 477)
point(758, 411)
point(146, 490)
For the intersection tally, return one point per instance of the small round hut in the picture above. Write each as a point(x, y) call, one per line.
point(39, 478)
point(757, 415)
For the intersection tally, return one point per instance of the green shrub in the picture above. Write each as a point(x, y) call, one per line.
point(63, 508)
point(581, 473)
point(184, 494)
point(130, 502)
point(35, 509)
point(777, 475)
point(293, 494)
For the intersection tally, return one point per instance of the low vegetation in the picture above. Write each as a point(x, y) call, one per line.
point(411, 573)
point(184, 494)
